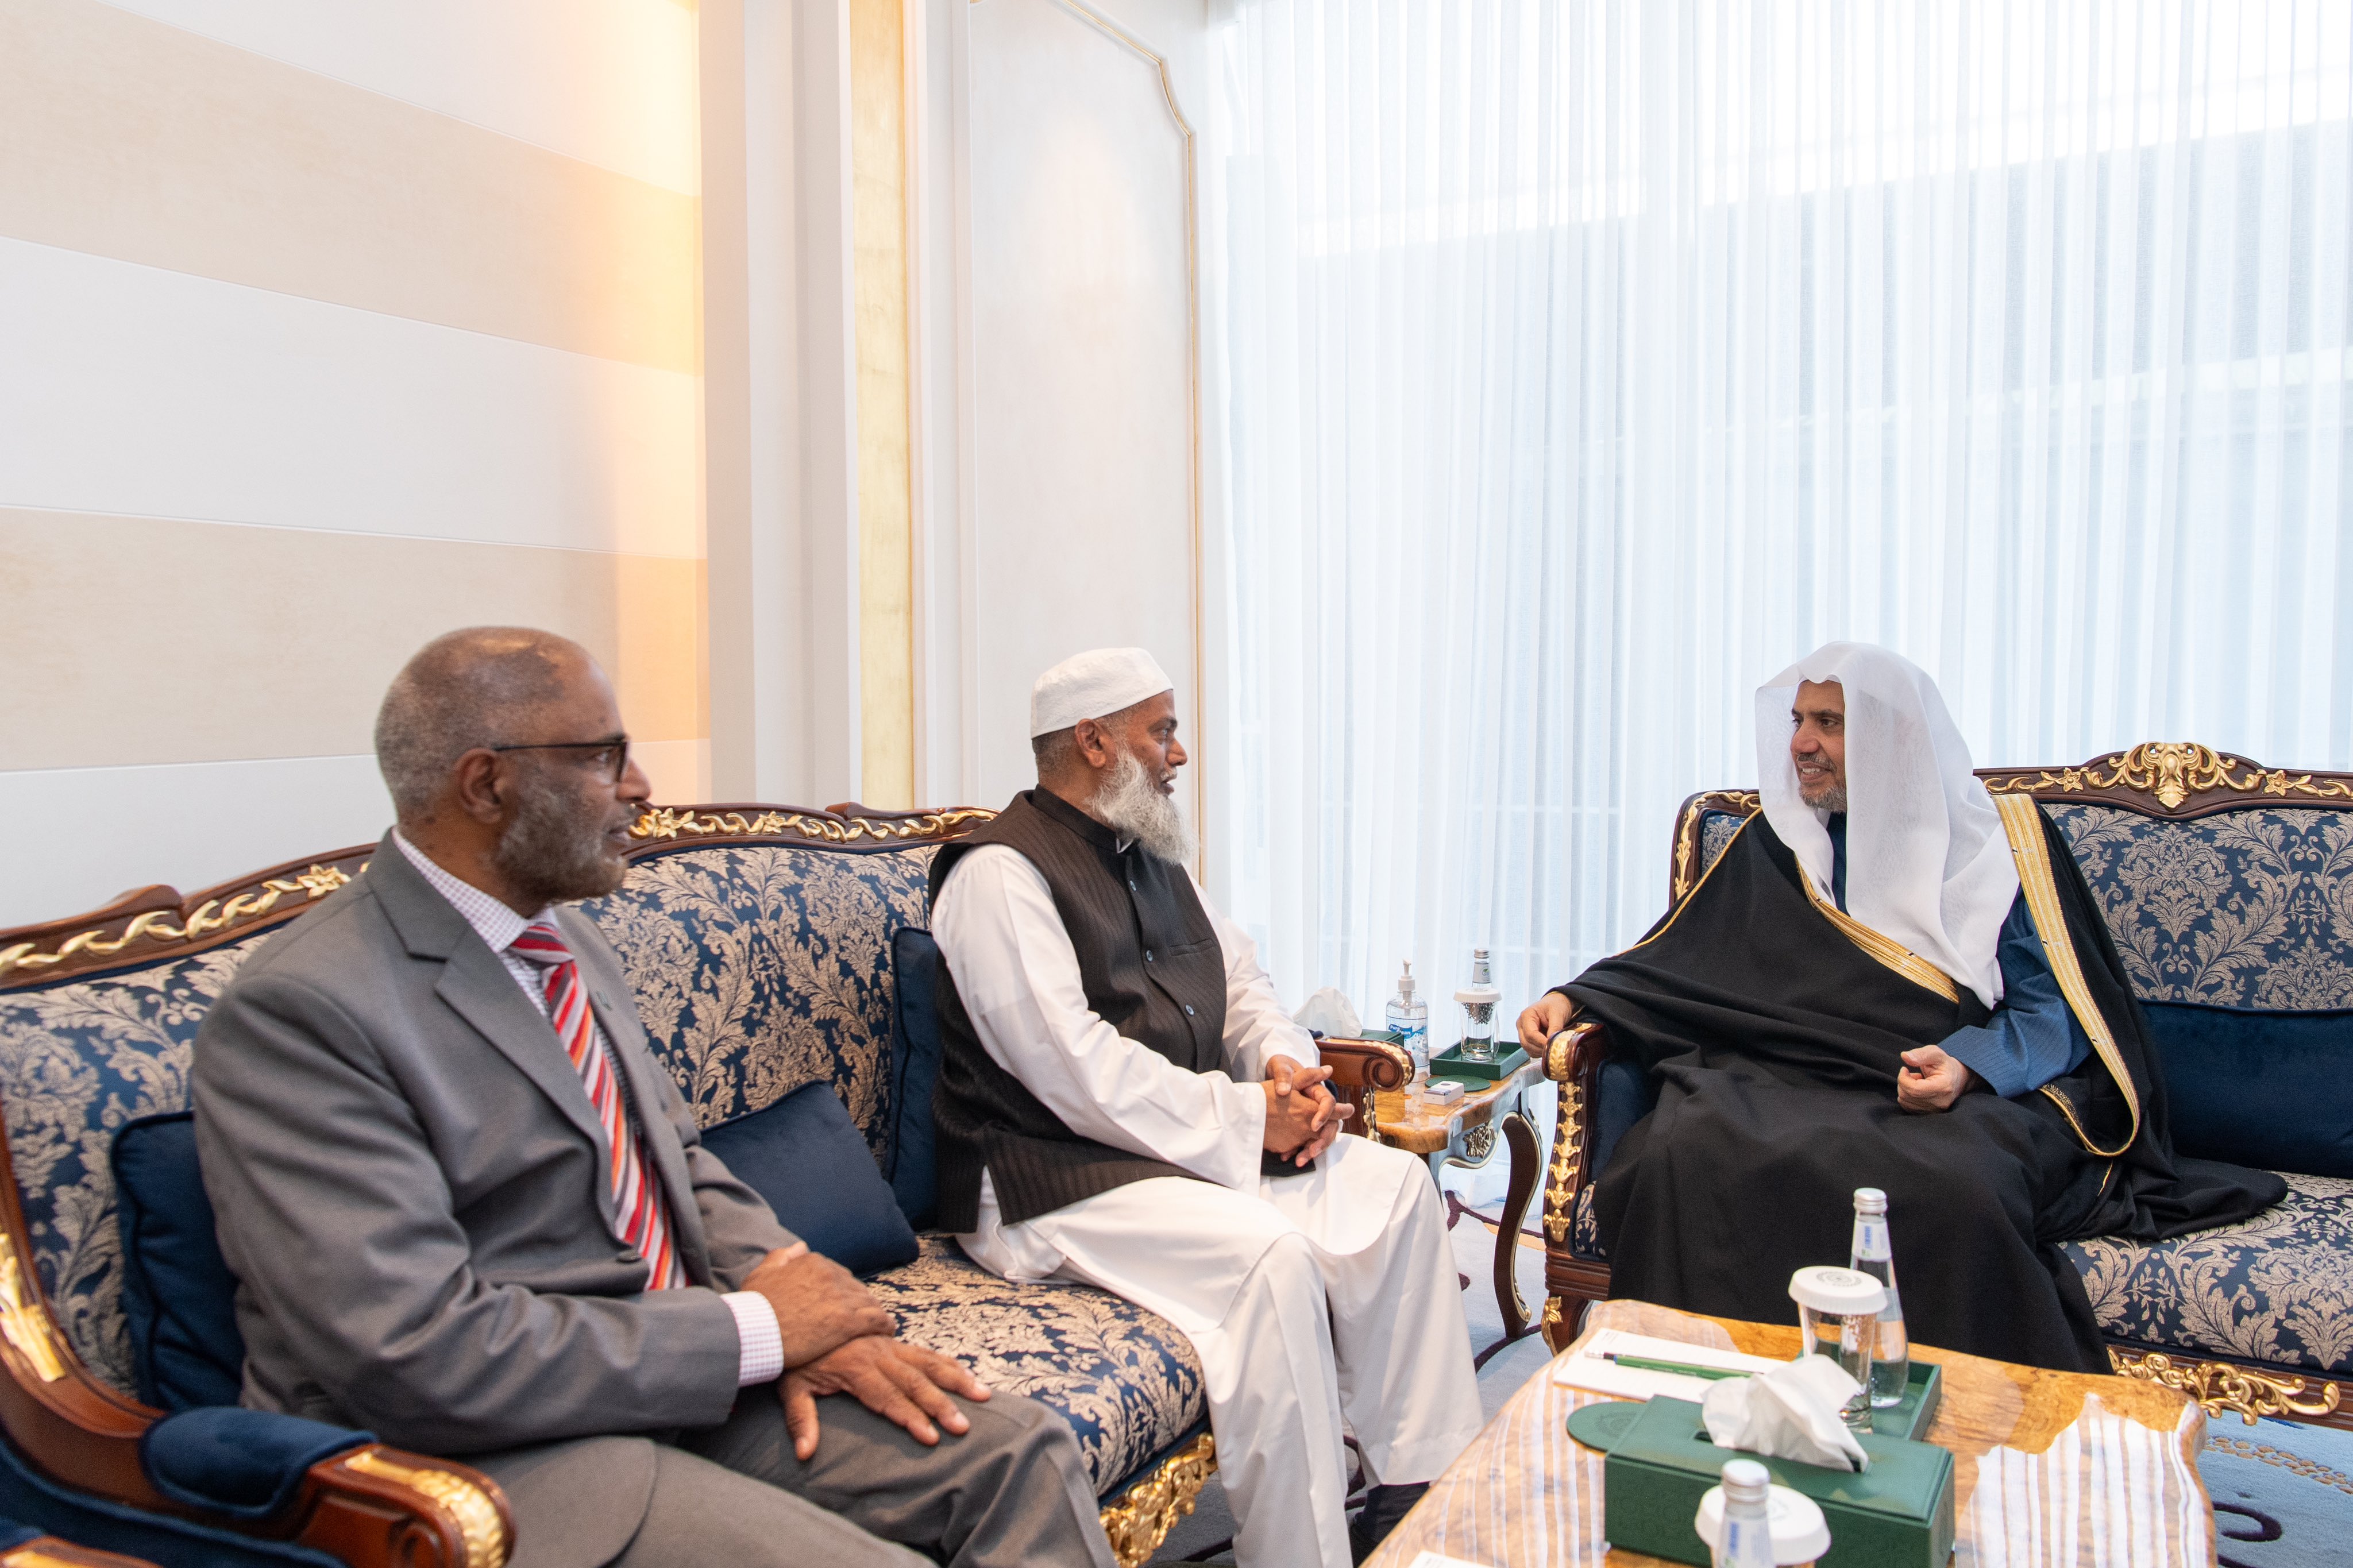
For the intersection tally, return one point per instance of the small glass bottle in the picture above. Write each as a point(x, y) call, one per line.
point(1746, 1539)
point(1891, 1358)
point(1409, 1022)
point(1479, 999)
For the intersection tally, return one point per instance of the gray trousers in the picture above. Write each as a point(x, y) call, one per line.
point(1011, 1490)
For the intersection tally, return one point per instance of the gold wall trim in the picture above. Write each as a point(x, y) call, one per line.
point(882, 285)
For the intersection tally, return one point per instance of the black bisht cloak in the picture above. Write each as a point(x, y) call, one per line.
point(1774, 1040)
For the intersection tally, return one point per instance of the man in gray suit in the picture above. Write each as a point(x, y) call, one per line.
point(466, 1210)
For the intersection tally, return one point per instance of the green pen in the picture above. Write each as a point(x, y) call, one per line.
point(1681, 1369)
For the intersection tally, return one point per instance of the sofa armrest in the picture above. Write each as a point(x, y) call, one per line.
point(1360, 1067)
point(369, 1506)
point(1572, 1062)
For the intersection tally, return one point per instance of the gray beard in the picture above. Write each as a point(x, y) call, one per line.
point(1129, 801)
point(554, 852)
point(1832, 800)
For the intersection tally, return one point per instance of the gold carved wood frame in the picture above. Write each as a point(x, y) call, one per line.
point(2170, 779)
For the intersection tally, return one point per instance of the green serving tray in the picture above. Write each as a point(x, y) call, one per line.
point(1451, 1063)
point(1899, 1512)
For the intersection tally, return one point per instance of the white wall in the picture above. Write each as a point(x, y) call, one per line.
point(324, 330)
point(1058, 395)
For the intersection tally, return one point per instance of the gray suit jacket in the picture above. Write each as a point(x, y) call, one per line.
point(409, 1182)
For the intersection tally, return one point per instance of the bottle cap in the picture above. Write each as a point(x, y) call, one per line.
point(1801, 1533)
point(1840, 1292)
point(1869, 1200)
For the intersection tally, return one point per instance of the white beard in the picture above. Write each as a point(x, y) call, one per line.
point(1130, 802)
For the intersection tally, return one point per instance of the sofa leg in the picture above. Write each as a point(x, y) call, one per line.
point(1141, 1519)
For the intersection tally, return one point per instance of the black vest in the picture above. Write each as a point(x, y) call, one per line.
point(1149, 959)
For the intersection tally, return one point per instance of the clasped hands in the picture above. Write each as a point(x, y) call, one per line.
point(1302, 1116)
point(839, 1339)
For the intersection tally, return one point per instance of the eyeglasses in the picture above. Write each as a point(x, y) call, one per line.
point(618, 748)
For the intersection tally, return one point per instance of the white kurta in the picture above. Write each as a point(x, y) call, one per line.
point(1309, 1298)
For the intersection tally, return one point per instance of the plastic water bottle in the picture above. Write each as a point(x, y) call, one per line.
point(1746, 1541)
point(1891, 1360)
point(1409, 1022)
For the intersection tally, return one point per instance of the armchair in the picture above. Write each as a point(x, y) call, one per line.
point(2228, 888)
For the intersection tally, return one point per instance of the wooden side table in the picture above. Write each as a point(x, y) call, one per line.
point(1464, 1133)
point(2048, 1467)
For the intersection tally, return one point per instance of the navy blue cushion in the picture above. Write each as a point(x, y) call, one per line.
point(247, 1464)
point(2270, 1090)
point(28, 1495)
point(807, 1159)
point(916, 968)
point(178, 1295)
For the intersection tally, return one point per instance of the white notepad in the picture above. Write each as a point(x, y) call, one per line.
point(1585, 1368)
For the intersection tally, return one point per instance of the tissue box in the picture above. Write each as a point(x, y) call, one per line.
point(1896, 1514)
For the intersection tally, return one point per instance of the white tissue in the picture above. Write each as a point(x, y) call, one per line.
point(1789, 1413)
point(1329, 1012)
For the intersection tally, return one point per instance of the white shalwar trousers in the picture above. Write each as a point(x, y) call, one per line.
point(1319, 1297)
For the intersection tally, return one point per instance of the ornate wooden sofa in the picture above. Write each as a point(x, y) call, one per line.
point(2229, 890)
point(760, 941)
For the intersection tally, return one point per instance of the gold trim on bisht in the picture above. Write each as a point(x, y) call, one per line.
point(1144, 1514)
point(2021, 819)
point(467, 1505)
point(1885, 949)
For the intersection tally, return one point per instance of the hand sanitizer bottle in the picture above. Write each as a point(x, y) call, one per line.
point(1409, 1021)
point(1891, 1359)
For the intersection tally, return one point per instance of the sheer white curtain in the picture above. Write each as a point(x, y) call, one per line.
point(1579, 362)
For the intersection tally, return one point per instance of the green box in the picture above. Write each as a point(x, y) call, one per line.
point(1896, 1514)
point(1451, 1063)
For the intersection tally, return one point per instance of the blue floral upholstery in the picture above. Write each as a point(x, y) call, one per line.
point(77, 1061)
point(2277, 1288)
point(2251, 908)
point(1716, 831)
point(1126, 1380)
point(759, 968)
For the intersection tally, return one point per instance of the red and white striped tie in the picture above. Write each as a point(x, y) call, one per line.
point(636, 1197)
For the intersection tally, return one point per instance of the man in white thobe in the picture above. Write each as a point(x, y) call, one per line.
point(1122, 1102)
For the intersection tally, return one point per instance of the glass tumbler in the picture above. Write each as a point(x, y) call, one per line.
point(1837, 1316)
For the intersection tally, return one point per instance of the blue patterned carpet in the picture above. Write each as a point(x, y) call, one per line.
point(2283, 1493)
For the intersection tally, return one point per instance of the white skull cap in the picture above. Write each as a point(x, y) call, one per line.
point(1093, 685)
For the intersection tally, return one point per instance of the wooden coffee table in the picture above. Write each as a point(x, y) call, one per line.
point(2050, 1466)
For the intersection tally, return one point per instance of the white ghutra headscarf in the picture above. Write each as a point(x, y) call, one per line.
point(1928, 863)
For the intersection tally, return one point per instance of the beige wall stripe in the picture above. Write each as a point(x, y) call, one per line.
point(146, 640)
point(131, 139)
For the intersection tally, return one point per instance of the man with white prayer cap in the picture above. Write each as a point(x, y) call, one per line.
point(1122, 1102)
point(1887, 979)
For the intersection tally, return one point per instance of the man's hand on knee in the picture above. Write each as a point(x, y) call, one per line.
point(819, 1304)
point(1547, 1015)
point(899, 1382)
point(1931, 1080)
